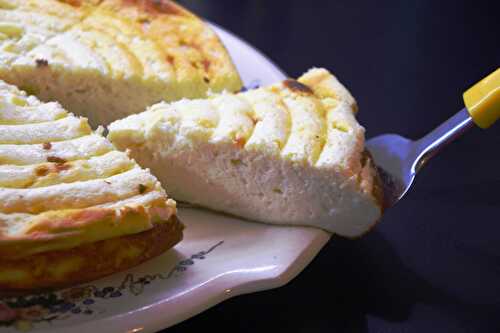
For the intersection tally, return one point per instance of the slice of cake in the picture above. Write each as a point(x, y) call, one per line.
point(292, 153)
point(111, 58)
point(72, 207)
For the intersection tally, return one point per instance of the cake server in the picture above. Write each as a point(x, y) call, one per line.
point(400, 159)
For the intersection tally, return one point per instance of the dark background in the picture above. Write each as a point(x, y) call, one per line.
point(433, 263)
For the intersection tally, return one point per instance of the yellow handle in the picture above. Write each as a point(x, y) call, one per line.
point(483, 100)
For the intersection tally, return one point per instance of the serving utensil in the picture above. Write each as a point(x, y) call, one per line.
point(400, 159)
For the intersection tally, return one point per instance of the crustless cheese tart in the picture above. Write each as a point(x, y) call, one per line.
point(111, 58)
point(72, 207)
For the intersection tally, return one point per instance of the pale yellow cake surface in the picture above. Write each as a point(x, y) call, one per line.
point(111, 58)
point(290, 153)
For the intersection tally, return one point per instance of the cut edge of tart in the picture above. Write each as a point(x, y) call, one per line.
point(72, 207)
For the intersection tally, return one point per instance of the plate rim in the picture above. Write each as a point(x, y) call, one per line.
point(147, 318)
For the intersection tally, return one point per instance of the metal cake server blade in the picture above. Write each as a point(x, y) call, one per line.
point(399, 159)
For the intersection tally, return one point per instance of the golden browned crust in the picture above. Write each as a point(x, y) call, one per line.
point(188, 41)
point(88, 262)
point(297, 87)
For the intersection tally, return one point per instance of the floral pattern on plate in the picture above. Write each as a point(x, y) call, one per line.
point(23, 312)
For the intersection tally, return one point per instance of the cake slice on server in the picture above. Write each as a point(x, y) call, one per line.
point(72, 207)
point(292, 153)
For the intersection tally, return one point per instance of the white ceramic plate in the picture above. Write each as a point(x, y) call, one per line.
point(220, 257)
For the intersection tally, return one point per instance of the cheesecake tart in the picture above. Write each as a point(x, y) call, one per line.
point(106, 59)
point(72, 207)
point(291, 153)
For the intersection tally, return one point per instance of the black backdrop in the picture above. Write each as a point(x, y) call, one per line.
point(433, 264)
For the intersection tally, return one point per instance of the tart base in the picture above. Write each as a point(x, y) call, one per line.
point(62, 268)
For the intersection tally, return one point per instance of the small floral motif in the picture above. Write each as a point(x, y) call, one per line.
point(77, 294)
point(23, 312)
